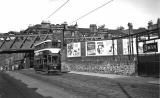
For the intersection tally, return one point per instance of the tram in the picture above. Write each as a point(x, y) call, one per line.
point(47, 56)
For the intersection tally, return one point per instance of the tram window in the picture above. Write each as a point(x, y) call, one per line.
point(49, 44)
point(49, 58)
point(38, 61)
point(45, 45)
point(38, 47)
point(59, 45)
point(45, 56)
point(45, 60)
point(54, 59)
point(54, 44)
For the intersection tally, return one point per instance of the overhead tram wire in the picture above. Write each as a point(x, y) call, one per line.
point(92, 11)
point(58, 9)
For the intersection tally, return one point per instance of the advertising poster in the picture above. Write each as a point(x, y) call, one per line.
point(126, 46)
point(158, 45)
point(105, 47)
point(74, 50)
point(109, 47)
point(115, 48)
point(101, 48)
point(90, 49)
point(134, 46)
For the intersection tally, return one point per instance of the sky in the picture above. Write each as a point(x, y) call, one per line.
point(16, 15)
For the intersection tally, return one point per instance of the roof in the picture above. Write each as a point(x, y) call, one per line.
point(139, 30)
point(72, 28)
point(42, 42)
point(52, 50)
point(47, 41)
point(115, 32)
point(135, 31)
point(84, 30)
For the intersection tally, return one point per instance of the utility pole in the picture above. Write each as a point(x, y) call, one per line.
point(130, 42)
point(64, 29)
point(63, 33)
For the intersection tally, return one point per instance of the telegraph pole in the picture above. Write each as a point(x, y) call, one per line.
point(129, 41)
point(63, 33)
point(64, 29)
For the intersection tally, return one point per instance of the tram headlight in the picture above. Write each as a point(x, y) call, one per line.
point(54, 67)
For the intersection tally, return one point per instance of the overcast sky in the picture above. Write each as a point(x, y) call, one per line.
point(16, 15)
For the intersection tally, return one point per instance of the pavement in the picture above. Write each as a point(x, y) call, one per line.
point(137, 79)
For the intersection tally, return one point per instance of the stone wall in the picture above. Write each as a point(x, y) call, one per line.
point(117, 64)
point(103, 67)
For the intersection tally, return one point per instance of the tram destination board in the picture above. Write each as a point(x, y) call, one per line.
point(150, 47)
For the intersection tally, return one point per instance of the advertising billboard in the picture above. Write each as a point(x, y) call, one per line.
point(74, 50)
point(101, 48)
point(142, 47)
point(150, 47)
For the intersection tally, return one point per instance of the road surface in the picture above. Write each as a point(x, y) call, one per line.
point(12, 88)
point(68, 85)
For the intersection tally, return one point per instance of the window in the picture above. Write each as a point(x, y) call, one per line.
point(49, 58)
point(59, 45)
point(45, 58)
point(42, 46)
point(72, 33)
point(49, 44)
point(37, 47)
point(38, 62)
point(54, 59)
point(54, 44)
point(45, 45)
